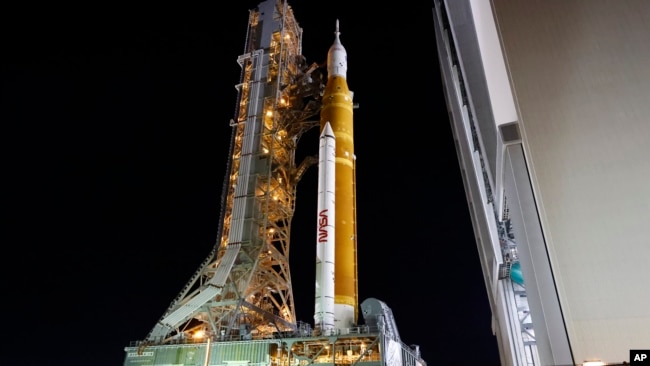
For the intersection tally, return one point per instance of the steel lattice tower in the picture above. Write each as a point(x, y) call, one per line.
point(243, 288)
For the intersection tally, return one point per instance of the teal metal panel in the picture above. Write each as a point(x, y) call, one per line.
point(186, 355)
point(139, 358)
point(253, 352)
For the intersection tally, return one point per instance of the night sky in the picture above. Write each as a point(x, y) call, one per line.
point(115, 131)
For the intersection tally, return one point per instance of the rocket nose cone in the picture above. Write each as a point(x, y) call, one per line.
point(337, 58)
point(337, 35)
point(327, 130)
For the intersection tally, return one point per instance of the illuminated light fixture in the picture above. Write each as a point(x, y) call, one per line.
point(198, 334)
point(269, 113)
point(266, 151)
point(593, 363)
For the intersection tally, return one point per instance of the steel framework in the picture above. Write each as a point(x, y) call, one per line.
point(243, 288)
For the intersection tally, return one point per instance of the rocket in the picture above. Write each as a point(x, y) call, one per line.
point(336, 115)
point(324, 315)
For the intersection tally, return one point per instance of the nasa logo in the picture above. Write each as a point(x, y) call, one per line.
point(322, 223)
point(639, 357)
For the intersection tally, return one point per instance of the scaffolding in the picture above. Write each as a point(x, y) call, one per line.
point(243, 288)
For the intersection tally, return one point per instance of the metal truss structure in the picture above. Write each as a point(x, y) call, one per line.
point(243, 288)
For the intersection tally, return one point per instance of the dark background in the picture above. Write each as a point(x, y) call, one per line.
point(115, 130)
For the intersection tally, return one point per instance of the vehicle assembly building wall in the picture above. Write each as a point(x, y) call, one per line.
point(472, 121)
point(582, 88)
point(549, 102)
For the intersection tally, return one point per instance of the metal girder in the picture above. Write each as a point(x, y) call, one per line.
point(247, 289)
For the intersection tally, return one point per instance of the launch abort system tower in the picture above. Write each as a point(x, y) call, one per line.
point(238, 308)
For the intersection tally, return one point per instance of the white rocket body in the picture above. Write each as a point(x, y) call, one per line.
point(325, 243)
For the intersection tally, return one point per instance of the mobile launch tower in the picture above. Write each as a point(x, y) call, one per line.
point(238, 308)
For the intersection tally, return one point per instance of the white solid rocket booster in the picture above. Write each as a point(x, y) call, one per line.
point(325, 250)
